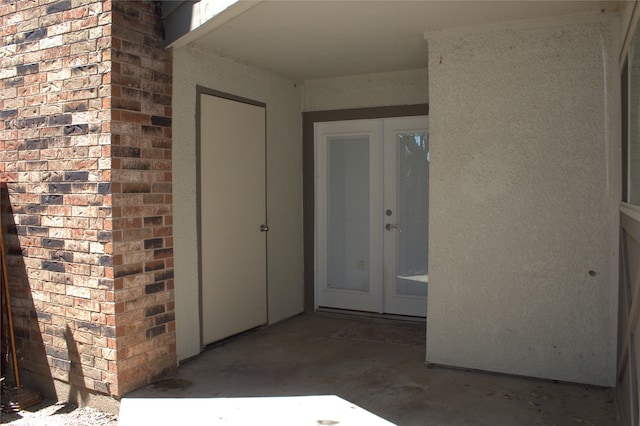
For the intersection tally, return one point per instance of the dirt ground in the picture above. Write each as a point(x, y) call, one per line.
point(49, 413)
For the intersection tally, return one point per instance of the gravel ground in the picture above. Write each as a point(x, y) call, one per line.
point(49, 413)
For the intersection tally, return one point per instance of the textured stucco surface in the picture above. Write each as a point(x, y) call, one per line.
point(369, 90)
point(193, 67)
point(524, 190)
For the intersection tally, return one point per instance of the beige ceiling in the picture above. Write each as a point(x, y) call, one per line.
point(318, 39)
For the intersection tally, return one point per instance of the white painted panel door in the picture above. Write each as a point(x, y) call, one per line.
point(372, 201)
point(232, 210)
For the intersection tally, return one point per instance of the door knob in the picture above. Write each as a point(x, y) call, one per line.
point(389, 227)
point(264, 228)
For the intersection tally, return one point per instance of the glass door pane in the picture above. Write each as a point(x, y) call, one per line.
point(348, 213)
point(412, 201)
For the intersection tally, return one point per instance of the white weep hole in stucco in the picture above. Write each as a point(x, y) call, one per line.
point(194, 66)
point(524, 193)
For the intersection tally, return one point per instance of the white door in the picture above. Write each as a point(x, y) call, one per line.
point(406, 215)
point(232, 210)
point(348, 208)
point(372, 215)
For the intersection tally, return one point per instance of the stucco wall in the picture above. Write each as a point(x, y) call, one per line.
point(370, 90)
point(524, 190)
point(192, 67)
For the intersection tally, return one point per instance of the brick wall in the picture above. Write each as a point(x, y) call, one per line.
point(141, 185)
point(85, 149)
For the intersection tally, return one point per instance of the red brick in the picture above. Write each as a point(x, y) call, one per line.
point(87, 289)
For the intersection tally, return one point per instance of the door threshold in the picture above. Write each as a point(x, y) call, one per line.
point(370, 315)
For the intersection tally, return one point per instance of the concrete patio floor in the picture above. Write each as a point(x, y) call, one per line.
point(309, 355)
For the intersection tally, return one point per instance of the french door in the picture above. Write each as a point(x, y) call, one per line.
point(372, 203)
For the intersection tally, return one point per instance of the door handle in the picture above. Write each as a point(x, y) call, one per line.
point(264, 228)
point(389, 227)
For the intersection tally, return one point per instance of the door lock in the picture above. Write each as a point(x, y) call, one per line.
point(264, 228)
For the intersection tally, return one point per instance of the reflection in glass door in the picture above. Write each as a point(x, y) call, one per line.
point(372, 204)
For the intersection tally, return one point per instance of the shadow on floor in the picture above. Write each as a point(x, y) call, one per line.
point(379, 366)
